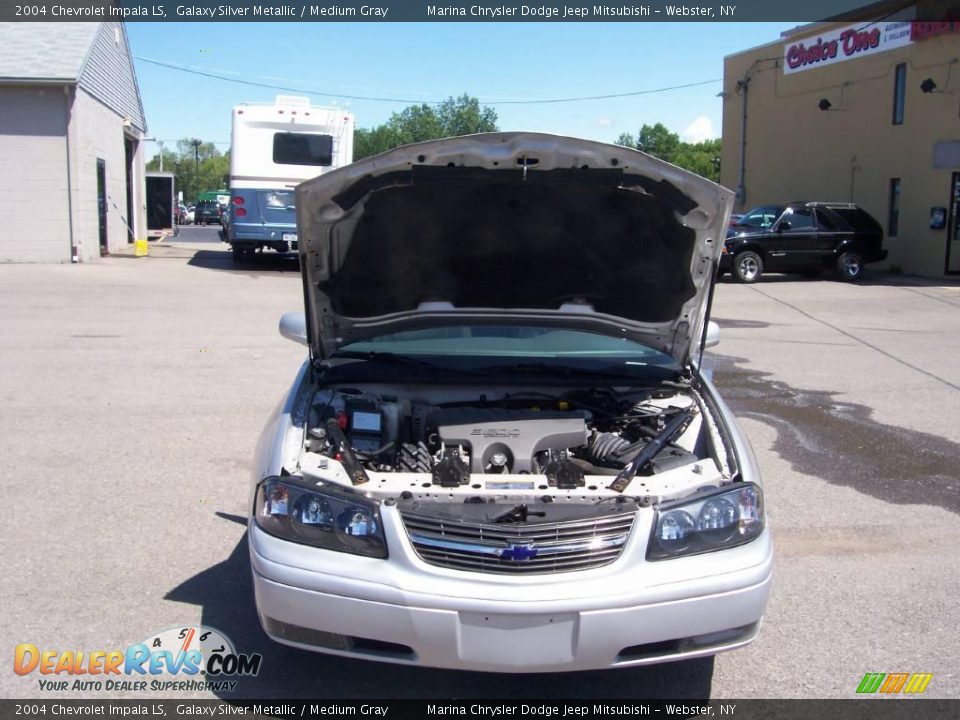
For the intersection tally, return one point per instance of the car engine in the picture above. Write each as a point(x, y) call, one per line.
point(558, 440)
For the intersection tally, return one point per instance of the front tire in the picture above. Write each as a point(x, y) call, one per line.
point(850, 266)
point(747, 266)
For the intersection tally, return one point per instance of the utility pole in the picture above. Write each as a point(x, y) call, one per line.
point(196, 156)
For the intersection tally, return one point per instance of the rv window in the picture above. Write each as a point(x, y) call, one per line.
point(302, 149)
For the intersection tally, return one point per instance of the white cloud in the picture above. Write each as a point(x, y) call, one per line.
point(604, 122)
point(699, 130)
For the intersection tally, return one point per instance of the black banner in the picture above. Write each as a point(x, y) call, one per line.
point(426, 11)
point(872, 709)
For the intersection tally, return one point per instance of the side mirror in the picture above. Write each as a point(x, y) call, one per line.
point(713, 335)
point(785, 225)
point(293, 326)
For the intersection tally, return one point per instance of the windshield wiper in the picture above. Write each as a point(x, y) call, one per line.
point(388, 358)
point(405, 361)
point(568, 371)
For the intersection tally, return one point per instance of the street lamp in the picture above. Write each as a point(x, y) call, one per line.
point(160, 143)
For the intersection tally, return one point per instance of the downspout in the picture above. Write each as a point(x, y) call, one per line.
point(74, 254)
point(853, 171)
point(743, 86)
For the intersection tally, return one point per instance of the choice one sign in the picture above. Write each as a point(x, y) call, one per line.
point(846, 43)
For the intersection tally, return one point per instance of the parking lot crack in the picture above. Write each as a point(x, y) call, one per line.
point(860, 340)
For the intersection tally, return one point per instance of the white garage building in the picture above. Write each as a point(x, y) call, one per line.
point(71, 136)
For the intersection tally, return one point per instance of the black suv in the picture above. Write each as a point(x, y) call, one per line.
point(806, 237)
point(207, 211)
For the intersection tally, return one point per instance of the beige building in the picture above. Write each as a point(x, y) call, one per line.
point(72, 127)
point(863, 110)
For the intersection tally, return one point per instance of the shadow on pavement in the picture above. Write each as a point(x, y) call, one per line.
point(223, 261)
point(225, 594)
point(869, 278)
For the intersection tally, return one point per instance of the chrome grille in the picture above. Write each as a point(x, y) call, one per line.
point(548, 547)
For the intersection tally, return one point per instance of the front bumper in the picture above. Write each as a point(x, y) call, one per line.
point(403, 610)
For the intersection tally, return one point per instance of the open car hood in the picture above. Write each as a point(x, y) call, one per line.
point(524, 228)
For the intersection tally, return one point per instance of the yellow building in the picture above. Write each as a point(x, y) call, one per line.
point(863, 110)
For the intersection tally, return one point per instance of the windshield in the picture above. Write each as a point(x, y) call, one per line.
point(506, 343)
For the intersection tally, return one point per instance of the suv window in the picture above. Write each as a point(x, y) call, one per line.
point(799, 218)
point(827, 222)
point(761, 217)
point(858, 219)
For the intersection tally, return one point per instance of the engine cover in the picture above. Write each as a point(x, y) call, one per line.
point(517, 434)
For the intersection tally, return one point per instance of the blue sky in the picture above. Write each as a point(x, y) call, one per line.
point(431, 61)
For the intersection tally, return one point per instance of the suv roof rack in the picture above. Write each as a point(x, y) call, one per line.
point(833, 204)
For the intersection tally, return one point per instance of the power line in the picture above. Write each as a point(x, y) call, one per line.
point(602, 97)
point(271, 86)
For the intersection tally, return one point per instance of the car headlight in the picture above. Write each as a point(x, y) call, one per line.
point(717, 521)
point(292, 509)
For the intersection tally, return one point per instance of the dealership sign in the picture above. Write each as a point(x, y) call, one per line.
point(922, 30)
point(845, 43)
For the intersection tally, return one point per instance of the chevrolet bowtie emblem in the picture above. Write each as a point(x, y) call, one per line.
point(518, 553)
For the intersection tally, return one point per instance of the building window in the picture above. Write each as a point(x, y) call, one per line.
point(893, 217)
point(899, 92)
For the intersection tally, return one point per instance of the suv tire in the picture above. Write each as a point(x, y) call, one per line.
point(850, 266)
point(747, 266)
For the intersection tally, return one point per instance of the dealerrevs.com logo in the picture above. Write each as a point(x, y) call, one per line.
point(179, 659)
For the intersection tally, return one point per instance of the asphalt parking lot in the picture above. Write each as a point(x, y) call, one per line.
point(133, 391)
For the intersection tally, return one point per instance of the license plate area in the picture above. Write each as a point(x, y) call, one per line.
point(518, 639)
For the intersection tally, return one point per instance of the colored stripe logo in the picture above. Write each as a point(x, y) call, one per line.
point(894, 683)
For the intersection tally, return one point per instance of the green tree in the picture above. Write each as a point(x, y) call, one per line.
point(702, 158)
point(658, 141)
point(197, 166)
point(375, 140)
point(465, 116)
point(454, 116)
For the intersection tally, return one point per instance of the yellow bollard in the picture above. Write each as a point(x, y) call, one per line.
point(141, 248)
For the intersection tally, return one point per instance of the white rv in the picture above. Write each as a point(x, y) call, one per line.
point(273, 149)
